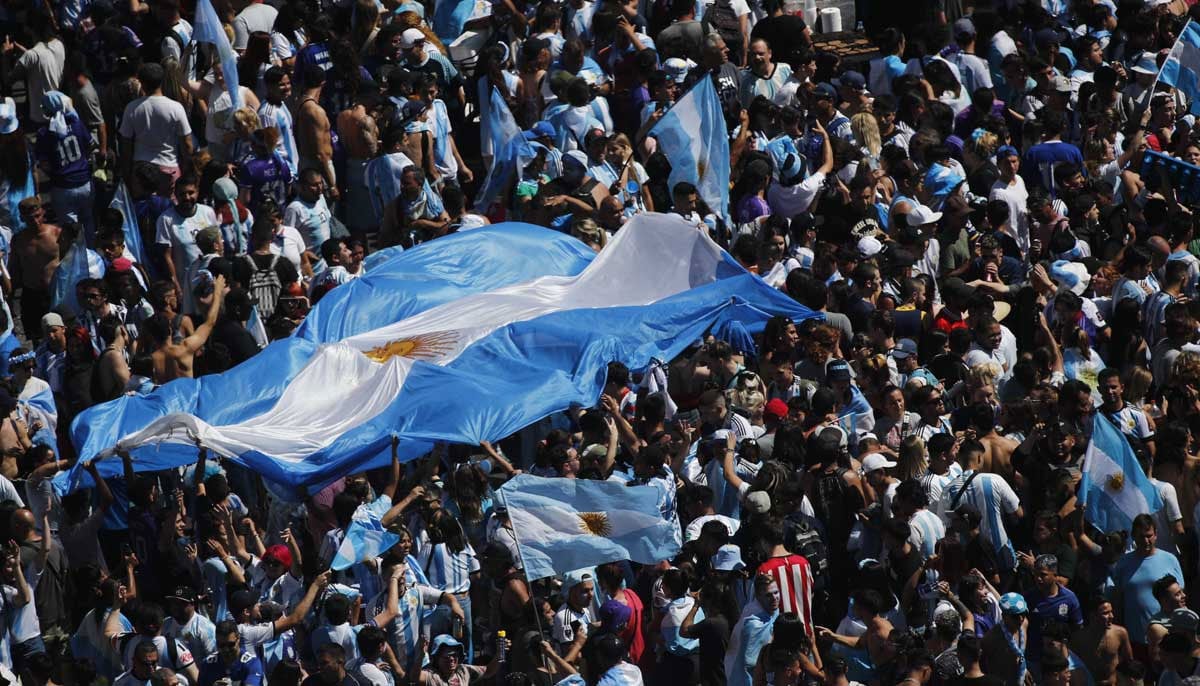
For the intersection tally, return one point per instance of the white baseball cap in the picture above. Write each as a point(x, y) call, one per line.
point(875, 462)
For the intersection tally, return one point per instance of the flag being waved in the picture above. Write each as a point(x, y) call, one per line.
point(209, 29)
point(366, 539)
point(1182, 67)
point(566, 524)
point(693, 136)
point(1114, 489)
point(475, 368)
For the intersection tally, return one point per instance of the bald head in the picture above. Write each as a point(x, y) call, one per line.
point(22, 524)
point(1161, 249)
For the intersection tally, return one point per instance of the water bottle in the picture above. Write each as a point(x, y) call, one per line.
point(501, 645)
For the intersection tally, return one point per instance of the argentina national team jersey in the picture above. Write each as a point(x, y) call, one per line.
point(247, 671)
point(281, 118)
point(451, 571)
point(404, 632)
point(266, 177)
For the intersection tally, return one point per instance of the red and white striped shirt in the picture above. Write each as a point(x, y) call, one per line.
point(794, 578)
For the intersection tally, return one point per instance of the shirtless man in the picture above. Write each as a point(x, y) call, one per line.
point(997, 450)
point(14, 435)
point(867, 607)
point(175, 360)
point(1102, 645)
point(313, 133)
point(358, 134)
point(32, 263)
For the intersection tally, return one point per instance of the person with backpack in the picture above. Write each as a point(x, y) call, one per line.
point(731, 20)
point(262, 272)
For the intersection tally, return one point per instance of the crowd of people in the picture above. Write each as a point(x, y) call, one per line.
point(995, 221)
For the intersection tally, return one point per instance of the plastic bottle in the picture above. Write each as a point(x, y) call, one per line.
point(501, 645)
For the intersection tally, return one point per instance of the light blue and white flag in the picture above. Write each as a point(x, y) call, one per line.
point(366, 539)
point(475, 368)
point(509, 147)
point(692, 134)
point(566, 524)
point(1182, 67)
point(1114, 489)
point(208, 29)
point(133, 237)
point(37, 408)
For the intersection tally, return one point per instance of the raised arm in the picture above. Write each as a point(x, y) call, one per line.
point(197, 340)
point(297, 615)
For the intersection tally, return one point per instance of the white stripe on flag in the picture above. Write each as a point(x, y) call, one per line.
point(652, 258)
point(1099, 467)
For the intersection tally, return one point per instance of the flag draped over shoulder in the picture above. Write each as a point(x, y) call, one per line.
point(511, 152)
point(208, 29)
point(1181, 69)
point(464, 370)
point(566, 524)
point(693, 136)
point(1114, 489)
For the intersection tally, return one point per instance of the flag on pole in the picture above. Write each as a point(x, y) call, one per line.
point(566, 524)
point(1182, 67)
point(693, 136)
point(1114, 489)
point(208, 29)
point(133, 237)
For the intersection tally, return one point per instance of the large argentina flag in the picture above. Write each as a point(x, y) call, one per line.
point(1181, 69)
point(1114, 489)
point(475, 368)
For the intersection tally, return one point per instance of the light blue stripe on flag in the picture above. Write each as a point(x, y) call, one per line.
point(208, 29)
point(567, 524)
point(693, 136)
point(1182, 67)
point(365, 539)
point(133, 237)
point(1114, 489)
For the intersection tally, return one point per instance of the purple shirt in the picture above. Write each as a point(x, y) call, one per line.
point(265, 176)
point(65, 156)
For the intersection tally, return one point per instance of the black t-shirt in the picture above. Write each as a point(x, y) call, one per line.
point(714, 641)
point(235, 339)
point(985, 680)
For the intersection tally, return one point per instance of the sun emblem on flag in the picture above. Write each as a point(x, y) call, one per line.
point(701, 167)
point(595, 523)
point(1116, 481)
point(429, 346)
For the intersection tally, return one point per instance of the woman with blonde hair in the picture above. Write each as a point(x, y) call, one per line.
point(982, 171)
point(865, 128)
point(912, 461)
point(587, 230)
point(245, 123)
point(625, 177)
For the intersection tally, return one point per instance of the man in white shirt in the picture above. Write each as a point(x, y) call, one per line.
point(155, 128)
point(1010, 188)
point(792, 195)
point(41, 67)
point(176, 232)
point(257, 17)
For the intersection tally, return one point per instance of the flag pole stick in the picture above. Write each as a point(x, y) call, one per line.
point(537, 615)
point(1149, 95)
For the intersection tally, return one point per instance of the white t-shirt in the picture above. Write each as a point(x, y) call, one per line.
point(155, 124)
point(288, 243)
point(1015, 196)
point(792, 200)
point(43, 65)
point(1167, 515)
point(256, 17)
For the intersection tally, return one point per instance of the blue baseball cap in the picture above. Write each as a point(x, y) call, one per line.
point(837, 370)
point(1007, 151)
point(447, 641)
point(1013, 604)
point(824, 91)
